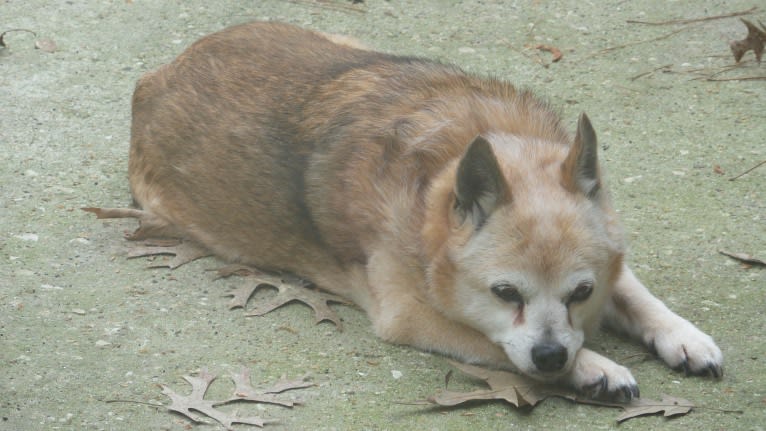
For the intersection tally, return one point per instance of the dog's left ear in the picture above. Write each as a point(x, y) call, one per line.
point(580, 170)
point(480, 186)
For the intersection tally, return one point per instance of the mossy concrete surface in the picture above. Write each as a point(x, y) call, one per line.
point(87, 336)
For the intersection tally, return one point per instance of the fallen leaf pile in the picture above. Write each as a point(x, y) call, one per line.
point(290, 288)
point(755, 40)
point(521, 391)
point(187, 405)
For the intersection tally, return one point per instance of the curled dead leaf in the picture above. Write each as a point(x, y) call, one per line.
point(755, 40)
point(556, 54)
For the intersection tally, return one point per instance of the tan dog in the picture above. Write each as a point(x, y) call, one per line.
point(457, 211)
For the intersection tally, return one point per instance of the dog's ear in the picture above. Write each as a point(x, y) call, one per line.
point(480, 186)
point(580, 170)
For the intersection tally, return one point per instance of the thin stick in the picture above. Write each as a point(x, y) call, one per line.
point(2, 35)
point(693, 20)
point(328, 5)
point(744, 78)
point(754, 167)
point(612, 48)
point(650, 72)
point(134, 402)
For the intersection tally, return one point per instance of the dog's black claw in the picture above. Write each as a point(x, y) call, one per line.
point(627, 393)
point(713, 370)
point(683, 366)
point(709, 370)
point(600, 391)
point(597, 389)
point(716, 370)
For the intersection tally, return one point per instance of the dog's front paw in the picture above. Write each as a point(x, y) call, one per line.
point(684, 347)
point(598, 377)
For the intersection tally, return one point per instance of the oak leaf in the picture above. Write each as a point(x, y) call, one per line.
point(187, 405)
point(516, 389)
point(668, 406)
point(183, 252)
point(289, 289)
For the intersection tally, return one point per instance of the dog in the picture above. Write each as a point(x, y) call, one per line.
point(456, 210)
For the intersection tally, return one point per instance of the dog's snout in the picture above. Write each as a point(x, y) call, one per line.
point(549, 356)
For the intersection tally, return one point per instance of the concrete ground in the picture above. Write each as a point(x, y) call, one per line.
point(87, 336)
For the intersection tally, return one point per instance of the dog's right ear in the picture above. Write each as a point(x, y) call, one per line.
point(480, 186)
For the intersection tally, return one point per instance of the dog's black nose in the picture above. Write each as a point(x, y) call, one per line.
point(549, 356)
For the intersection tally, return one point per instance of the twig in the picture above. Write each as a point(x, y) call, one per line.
point(613, 48)
point(744, 258)
point(693, 20)
point(328, 5)
point(640, 75)
point(751, 169)
point(744, 78)
point(592, 402)
point(2, 35)
point(134, 402)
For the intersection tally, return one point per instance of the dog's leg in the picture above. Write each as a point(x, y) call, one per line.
point(678, 342)
point(401, 314)
point(599, 377)
point(408, 320)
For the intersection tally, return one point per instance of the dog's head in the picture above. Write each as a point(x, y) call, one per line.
point(531, 249)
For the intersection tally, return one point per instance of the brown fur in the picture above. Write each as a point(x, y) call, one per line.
point(277, 147)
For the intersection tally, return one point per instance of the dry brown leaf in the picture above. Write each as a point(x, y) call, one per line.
point(516, 389)
point(522, 391)
point(556, 54)
point(195, 402)
point(289, 289)
point(183, 252)
point(668, 406)
point(152, 231)
point(755, 40)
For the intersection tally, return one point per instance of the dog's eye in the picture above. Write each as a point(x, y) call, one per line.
point(508, 293)
point(581, 293)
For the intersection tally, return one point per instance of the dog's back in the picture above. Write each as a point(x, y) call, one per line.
point(313, 146)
